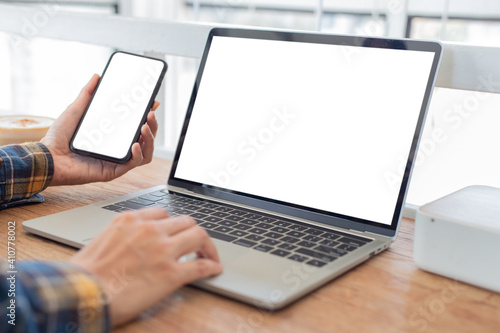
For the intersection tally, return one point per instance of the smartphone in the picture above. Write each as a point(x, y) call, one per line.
point(119, 106)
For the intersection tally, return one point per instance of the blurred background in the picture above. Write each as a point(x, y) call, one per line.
point(42, 76)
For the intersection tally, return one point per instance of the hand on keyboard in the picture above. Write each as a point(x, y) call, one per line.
point(136, 259)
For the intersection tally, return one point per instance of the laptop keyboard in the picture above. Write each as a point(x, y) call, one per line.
point(282, 237)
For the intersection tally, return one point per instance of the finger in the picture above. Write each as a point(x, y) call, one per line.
point(152, 123)
point(155, 106)
point(194, 239)
point(198, 269)
point(148, 144)
point(177, 224)
point(136, 159)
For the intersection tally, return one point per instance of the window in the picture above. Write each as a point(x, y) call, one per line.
point(459, 146)
point(460, 139)
point(468, 30)
point(42, 76)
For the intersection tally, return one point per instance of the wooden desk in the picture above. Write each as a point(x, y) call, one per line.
point(386, 294)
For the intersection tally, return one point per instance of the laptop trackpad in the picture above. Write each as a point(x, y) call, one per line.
point(255, 277)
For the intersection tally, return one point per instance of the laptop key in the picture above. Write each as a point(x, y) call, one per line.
point(245, 243)
point(330, 236)
point(258, 231)
point(141, 202)
point(269, 241)
point(254, 237)
point(316, 254)
point(220, 214)
point(223, 209)
point(164, 201)
point(312, 238)
point(150, 197)
point(280, 229)
point(252, 216)
point(264, 225)
point(331, 250)
point(220, 236)
point(289, 239)
point(316, 263)
point(191, 207)
point(234, 218)
point(280, 253)
point(306, 244)
point(172, 210)
point(314, 232)
point(206, 211)
point(171, 204)
point(158, 194)
point(242, 226)
point(346, 247)
point(295, 234)
point(298, 227)
point(224, 229)
point(282, 223)
point(288, 247)
point(239, 212)
point(210, 206)
point(229, 223)
point(209, 225)
point(184, 212)
point(159, 205)
point(267, 219)
point(273, 235)
point(263, 248)
point(298, 258)
point(352, 241)
point(238, 233)
point(112, 207)
point(212, 219)
point(130, 205)
point(198, 215)
point(249, 222)
point(330, 243)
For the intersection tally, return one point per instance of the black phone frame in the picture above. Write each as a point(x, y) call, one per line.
point(128, 156)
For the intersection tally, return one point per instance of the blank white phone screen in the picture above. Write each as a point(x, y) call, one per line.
point(317, 125)
point(114, 115)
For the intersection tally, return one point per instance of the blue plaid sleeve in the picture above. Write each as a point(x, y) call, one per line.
point(25, 170)
point(52, 297)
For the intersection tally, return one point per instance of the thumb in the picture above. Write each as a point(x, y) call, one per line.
point(85, 95)
point(70, 118)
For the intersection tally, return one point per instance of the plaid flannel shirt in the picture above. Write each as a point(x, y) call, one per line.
point(51, 297)
point(47, 296)
point(25, 170)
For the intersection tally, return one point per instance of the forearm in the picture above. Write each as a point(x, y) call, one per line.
point(25, 170)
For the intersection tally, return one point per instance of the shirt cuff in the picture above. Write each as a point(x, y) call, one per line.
point(25, 170)
point(37, 198)
point(61, 298)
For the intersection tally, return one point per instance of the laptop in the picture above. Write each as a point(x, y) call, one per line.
point(295, 155)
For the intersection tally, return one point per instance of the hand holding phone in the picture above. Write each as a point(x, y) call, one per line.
point(119, 106)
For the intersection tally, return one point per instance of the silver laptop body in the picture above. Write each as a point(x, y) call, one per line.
point(309, 137)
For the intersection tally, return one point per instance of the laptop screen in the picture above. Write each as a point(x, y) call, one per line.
point(309, 124)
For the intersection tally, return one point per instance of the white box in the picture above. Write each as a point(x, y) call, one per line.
point(458, 236)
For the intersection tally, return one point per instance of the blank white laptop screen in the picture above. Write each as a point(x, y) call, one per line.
point(316, 125)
